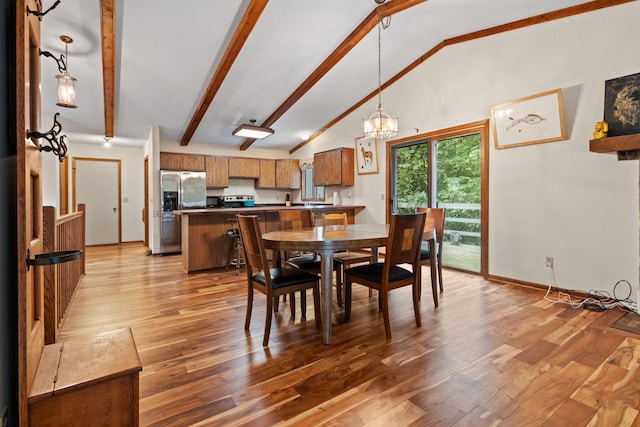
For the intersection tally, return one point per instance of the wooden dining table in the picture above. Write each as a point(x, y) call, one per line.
point(326, 242)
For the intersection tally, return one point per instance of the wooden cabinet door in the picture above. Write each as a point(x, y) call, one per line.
point(217, 170)
point(244, 167)
point(267, 178)
point(288, 174)
point(346, 166)
point(193, 162)
point(182, 162)
point(333, 167)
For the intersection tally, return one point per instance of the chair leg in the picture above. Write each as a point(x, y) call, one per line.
point(339, 286)
point(247, 318)
point(416, 304)
point(440, 273)
point(292, 304)
point(267, 321)
point(347, 299)
point(303, 304)
point(384, 300)
point(420, 282)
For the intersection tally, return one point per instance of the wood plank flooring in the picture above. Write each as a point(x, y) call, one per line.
point(490, 355)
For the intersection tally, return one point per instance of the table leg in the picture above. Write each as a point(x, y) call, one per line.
point(326, 292)
point(433, 266)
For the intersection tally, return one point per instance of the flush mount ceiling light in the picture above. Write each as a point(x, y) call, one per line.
point(252, 131)
point(380, 124)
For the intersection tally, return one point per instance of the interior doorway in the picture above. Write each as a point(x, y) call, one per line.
point(96, 183)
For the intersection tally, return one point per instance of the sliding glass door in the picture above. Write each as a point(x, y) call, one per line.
point(446, 169)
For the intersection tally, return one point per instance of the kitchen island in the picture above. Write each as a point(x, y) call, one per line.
point(205, 243)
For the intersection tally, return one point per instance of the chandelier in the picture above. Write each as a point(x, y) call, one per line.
point(380, 124)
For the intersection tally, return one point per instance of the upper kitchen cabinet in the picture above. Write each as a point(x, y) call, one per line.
point(267, 178)
point(182, 162)
point(288, 174)
point(244, 167)
point(333, 167)
point(217, 169)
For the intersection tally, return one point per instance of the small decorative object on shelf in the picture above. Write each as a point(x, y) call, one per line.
point(601, 129)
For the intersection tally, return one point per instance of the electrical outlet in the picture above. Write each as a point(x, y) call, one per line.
point(549, 262)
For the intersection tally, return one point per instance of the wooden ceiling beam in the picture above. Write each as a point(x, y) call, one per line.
point(538, 19)
point(336, 56)
point(108, 34)
point(243, 30)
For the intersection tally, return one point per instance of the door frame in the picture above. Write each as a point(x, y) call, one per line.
point(481, 127)
point(73, 188)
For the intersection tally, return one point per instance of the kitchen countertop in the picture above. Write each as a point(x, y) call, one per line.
point(264, 208)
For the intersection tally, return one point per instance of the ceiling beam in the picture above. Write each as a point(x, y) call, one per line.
point(107, 29)
point(243, 30)
point(369, 23)
point(538, 19)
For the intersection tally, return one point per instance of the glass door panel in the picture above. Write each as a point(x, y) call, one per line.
point(457, 188)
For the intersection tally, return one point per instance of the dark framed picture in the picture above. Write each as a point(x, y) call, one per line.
point(622, 105)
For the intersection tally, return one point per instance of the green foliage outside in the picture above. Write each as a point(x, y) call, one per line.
point(458, 181)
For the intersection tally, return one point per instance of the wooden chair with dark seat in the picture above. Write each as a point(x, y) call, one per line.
point(403, 247)
point(434, 218)
point(338, 221)
point(272, 282)
point(295, 219)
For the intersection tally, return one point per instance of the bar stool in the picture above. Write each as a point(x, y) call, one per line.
point(236, 246)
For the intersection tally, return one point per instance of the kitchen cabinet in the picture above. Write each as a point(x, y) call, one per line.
point(206, 244)
point(333, 167)
point(217, 169)
point(244, 167)
point(288, 174)
point(182, 162)
point(267, 178)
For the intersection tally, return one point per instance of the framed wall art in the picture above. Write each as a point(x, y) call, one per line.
point(366, 155)
point(622, 105)
point(531, 120)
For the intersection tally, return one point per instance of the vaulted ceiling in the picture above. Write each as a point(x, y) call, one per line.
point(199, 68)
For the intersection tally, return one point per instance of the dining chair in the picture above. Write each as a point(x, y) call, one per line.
point(295, 219)
point(435, 218)
point(272, 281)
point(403, 247)
point(339, 221)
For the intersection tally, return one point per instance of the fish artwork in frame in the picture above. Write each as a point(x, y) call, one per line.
point(531, 120)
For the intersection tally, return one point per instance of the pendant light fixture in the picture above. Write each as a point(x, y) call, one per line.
point(380, 124)
point(66, 88)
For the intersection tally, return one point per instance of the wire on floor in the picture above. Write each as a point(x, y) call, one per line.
point(597, 300)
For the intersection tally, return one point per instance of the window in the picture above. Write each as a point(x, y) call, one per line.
point(310, 192)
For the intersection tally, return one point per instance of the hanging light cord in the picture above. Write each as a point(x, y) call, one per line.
point(383, 23)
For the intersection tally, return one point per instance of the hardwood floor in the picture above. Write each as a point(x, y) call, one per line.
point(490, 355)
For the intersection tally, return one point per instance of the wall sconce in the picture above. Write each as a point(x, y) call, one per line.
point(41, 14)
point(66, 89)
point(57, 143)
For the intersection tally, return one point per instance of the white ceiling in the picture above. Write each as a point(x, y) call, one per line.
point(167, 51)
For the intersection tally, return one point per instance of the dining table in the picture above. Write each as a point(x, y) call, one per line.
point(325, 242)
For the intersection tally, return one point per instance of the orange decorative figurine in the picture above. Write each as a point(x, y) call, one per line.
point(601, 129)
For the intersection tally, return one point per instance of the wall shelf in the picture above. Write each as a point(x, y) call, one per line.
point(626, 146)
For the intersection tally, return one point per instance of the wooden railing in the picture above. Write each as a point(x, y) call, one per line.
point(60, 281)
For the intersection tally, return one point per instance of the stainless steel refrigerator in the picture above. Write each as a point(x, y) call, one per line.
point(180, 190)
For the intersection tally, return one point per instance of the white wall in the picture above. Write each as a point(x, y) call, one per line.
point(132, 182)
point(555, 199)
